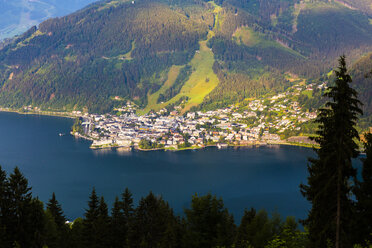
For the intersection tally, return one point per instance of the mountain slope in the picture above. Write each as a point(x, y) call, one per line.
point(168, 52)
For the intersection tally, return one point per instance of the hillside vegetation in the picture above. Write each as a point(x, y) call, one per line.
point(197, 53)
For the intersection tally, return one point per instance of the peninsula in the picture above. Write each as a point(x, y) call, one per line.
point(276, 119)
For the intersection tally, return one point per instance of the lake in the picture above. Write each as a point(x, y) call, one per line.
point(260, 177)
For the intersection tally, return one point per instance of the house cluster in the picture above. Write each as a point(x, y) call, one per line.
point(253, 122)
point(196, 129)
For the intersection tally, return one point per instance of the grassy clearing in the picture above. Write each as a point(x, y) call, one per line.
point(201, 82)
point(127, 56)
point(218, 19)
point(308, 93)
point(152, 98)
point(114, 4)
point(71, 58)
point(246, 36)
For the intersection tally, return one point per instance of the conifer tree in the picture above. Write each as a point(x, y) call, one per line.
point(23, 215)
point(328, 187)
point(76, 235)
point(102, 225)
point(152, 219)
point(128, 214)
point(90, 220)
point(52, 238)
point(128, 209)
point(209, 224)
point(117, 225)
point(3, 187)
point(363, 195)
point(55, 209)
point(243, 238)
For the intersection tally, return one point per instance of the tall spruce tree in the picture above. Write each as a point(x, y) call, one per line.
point(243, 237)
point(363, 195)
point(90, 221)
point(151, 225)
point(128, 214)
point(103, 225)
point(55, 214)
point(55, 209)
point(209, 223)
point(3, 187)
point(328, 188)
point(23, 216)
point(117, 225)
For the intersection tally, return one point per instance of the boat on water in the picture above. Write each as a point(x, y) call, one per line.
point(61, 134)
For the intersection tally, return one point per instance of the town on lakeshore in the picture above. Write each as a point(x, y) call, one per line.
point(255, 122)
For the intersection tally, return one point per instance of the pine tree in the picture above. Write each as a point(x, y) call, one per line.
point(208, 223)
point(328, 187)
point(23, 215)
point(363, 195)
point(118, 225)
point(76, 235)
point(3, 187)
point(128, 209)
point(242, 237)
point(55, 209)
point(102, 225)
point(90, 220)
point(51, 231)
point(151, 225)
point(18, 197)
point(128, 214)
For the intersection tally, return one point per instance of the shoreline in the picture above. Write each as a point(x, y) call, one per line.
point(43, 113)
point(310, 146)
point(72, 116)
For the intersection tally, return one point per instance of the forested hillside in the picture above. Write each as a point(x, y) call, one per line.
point(162, 52)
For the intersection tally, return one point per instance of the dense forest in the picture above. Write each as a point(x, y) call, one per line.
point(119, 48)
point(26, 222)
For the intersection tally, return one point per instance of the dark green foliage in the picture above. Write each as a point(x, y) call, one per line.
point(56, 224)
point(90, 221)
point(147, 144)
point(362, 74)
point(103, 225)
point(22, 217)
point(154, 224)
point(333, 41)
point(118, 226)
point(56, 212)
point(328, 187)
point(363, 193)
point(209, 223)
point(77, 127)
point(3, 203)
point(76, 234)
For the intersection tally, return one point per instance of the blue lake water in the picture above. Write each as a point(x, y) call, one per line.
point(261, 177)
